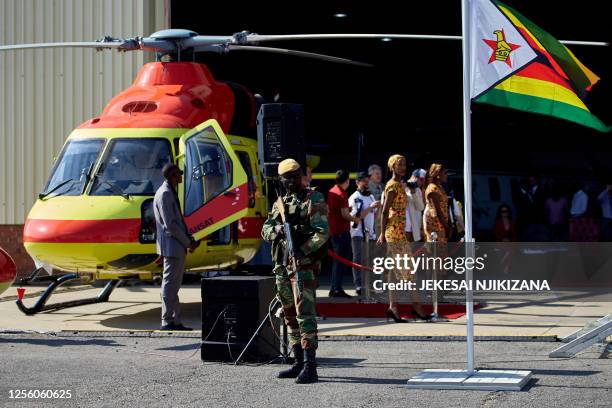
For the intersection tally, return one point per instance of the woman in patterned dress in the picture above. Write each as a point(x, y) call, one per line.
point(393, 226)
point(436, 214)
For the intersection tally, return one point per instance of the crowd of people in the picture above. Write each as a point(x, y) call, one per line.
point(382, 219)
point(422, 207)
point(548, 212)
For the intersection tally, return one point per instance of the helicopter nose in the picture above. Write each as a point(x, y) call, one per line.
point(84, 233)
point(84, 245)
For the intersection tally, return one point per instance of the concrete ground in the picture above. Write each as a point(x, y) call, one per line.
point(143, 371)
point(138, 308)
point(108, 355)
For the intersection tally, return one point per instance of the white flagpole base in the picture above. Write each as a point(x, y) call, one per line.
point(489, 380)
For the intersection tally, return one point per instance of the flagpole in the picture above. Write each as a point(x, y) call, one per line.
point(470, 379)
point(467, 179)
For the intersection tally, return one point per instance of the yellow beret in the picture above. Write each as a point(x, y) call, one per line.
point(287, 166)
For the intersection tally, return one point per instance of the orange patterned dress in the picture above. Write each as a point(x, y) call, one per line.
point(396, 224)
point(395, 231)
point(433, 220)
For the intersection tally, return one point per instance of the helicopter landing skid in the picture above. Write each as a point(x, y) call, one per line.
point(41, 305)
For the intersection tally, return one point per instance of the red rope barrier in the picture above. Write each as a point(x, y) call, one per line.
point(367, 268)
point(347, 262)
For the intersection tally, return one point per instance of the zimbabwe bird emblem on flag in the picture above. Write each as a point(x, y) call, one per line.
point(501, 48)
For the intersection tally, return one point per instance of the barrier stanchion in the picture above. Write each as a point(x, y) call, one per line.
point(434, 277)
point(366, 261)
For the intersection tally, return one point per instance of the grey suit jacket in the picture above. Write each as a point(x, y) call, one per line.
point(172, 237)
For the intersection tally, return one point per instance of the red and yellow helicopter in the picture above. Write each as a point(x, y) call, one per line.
point(94, 218)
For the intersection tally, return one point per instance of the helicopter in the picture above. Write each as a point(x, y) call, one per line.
point(94, 218)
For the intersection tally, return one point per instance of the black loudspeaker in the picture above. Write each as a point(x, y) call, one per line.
point(280, 135)
point(232, 309)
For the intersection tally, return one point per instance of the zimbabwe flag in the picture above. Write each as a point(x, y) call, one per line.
point(554, 83)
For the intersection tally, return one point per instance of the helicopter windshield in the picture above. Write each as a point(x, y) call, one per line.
point(132, 166)
point(71, 170)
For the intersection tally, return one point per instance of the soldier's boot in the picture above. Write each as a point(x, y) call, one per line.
point(298, 364)
point(309, 373)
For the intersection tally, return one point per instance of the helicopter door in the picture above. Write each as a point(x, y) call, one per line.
point(215, 188)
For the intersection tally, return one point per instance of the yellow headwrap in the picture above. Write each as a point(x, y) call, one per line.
point(393, 161)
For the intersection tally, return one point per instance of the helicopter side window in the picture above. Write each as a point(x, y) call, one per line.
point(132, 167)
point(208, 169)
point(73, 167)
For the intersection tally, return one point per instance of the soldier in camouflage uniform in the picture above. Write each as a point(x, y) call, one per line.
point(306, 213)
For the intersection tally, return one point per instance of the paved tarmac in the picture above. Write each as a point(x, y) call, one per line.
point(142, 371)
point(138, 308)
point(89, 350)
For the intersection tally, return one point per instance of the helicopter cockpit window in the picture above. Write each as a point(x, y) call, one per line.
point(132, 167)
point(208, 169)
point(73, 167)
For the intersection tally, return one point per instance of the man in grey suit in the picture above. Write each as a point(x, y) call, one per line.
point(173, 240)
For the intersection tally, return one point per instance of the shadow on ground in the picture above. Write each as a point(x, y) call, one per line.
point(60, 342)
point(150, 319)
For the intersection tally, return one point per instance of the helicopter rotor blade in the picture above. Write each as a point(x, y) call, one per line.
point(168, 43)
point(88, 44)
point(254, 38)
point(251, 38)
point(130, 44)
point(303, 54)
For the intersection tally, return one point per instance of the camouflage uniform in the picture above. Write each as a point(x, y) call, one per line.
point(306, 211)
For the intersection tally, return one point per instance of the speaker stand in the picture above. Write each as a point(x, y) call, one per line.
point(284, 355)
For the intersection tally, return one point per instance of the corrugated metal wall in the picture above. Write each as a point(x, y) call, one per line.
point(46, 93)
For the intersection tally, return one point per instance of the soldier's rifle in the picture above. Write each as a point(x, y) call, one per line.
point(291, 252)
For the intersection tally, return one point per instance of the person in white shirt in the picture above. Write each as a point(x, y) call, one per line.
point(455, 214)
point(583, 226)
point(416, 205)
point(364, 206)
point(580, 203)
